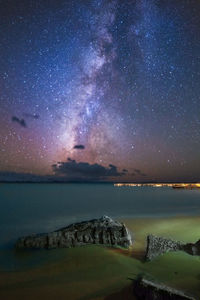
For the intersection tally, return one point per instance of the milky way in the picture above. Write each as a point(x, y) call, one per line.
point(102, 85)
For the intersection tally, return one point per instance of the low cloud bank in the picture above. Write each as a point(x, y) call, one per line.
point(84, 170)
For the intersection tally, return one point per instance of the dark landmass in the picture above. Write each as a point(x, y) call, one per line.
point(60, 180)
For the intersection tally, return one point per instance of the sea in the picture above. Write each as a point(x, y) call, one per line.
point(35, 208)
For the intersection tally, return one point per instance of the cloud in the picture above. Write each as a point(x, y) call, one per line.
point(72, 171)
point(33, 116)
point(80, 147)
point(139, 172)
point(85, 171)
point(19, 121)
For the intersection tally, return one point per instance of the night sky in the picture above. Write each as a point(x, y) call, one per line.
point(100, 90)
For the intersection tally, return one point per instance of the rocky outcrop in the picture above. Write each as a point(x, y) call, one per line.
point(103, 231)
point(145, 289)
point(157, 246)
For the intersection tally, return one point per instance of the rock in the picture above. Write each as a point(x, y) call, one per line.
point(192, 249)
point(98, 231)
point(158, 245)
point(145, 289)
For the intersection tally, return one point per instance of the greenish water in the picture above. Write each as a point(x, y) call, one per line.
point(99, 273)
point(34, 208)
point(93, 272)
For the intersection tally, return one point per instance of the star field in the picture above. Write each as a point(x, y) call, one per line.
point(101, 83)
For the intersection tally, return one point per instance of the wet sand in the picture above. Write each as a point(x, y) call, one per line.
point(96, 272)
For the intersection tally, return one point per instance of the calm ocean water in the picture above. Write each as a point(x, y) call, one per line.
point(34, 208)
point(27, 208)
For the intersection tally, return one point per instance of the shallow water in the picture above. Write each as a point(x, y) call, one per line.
point(34, 208)
point(94, 272)
point(29, 208)
point(102, 273)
